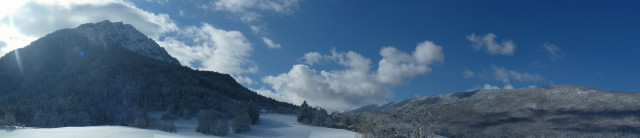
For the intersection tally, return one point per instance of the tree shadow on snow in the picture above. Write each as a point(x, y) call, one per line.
point(265, 128)
point(8, 128)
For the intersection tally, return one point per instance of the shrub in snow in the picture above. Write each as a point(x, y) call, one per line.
point(253, 111)
point(210, 122)
point(241, 122)
point(8, 119)
point(164, 125)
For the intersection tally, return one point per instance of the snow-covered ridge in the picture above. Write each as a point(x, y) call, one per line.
point(106, 32)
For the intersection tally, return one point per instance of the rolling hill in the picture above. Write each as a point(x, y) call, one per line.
point(552, 111)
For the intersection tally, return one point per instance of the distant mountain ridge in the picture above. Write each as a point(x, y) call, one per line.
point(108, 73)
point(552, 111)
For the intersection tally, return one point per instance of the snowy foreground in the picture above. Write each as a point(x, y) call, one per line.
point(270, 125)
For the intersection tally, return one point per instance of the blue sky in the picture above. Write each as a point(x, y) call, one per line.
point(329, 52)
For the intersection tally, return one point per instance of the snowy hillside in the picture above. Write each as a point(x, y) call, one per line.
point(106, 32)
point(270, 125)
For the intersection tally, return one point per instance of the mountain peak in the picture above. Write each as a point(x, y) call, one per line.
point(107, 33)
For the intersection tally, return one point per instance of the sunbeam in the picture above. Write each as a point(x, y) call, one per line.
point(18, 60)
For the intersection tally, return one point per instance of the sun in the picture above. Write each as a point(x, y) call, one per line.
point(7, 7)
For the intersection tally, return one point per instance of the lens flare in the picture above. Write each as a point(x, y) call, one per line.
point(18, 60)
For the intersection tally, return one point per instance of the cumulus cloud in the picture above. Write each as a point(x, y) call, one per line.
point(506, 75)
point(311, 58)
point(489, 86)
point(507, 86)
point(210, 48)
point(270, 43)
point(354, 85)
point(554, 52)
point(269, 93)
point(243, 79)
point(249, 10)
point(468, 74)
point(397, 65)
point(488, 42)
point(334, 90)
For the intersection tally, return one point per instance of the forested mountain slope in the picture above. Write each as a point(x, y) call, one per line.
point(109, 73)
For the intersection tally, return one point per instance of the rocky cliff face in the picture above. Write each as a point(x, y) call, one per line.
point(108, 33)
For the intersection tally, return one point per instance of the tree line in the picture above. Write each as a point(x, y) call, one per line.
point(418, 123)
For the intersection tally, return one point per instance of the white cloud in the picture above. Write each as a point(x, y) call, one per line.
point(553, 51)
point(311, 58)
point(396, 65)
point(489, 86)
point(270, 43)
point(356, 84)
point(506, 76)
point(248, 10)
point(488, 42)
point(244, 79)
point(334, 90)
point(210, 48)
point(507, 86)
point(468, 74)
point(427, 52)
point(274, 95)
point(257, 29)
point(161, 2)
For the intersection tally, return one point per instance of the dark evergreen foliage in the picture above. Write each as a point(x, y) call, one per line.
point(212, 122)
point(253, 111)
point(305, 113)
point(241, 122)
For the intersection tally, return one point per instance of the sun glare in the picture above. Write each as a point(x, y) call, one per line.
point(10, 35)
point(7, 7)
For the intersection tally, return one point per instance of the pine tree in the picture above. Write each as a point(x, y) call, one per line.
point(241, 122)
point(253, 111)
point(305, 113)
point(210, 123)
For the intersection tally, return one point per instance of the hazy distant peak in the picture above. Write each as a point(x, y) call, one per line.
point(106, 33)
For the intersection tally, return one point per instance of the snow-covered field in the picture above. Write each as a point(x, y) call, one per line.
point(270, 125)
